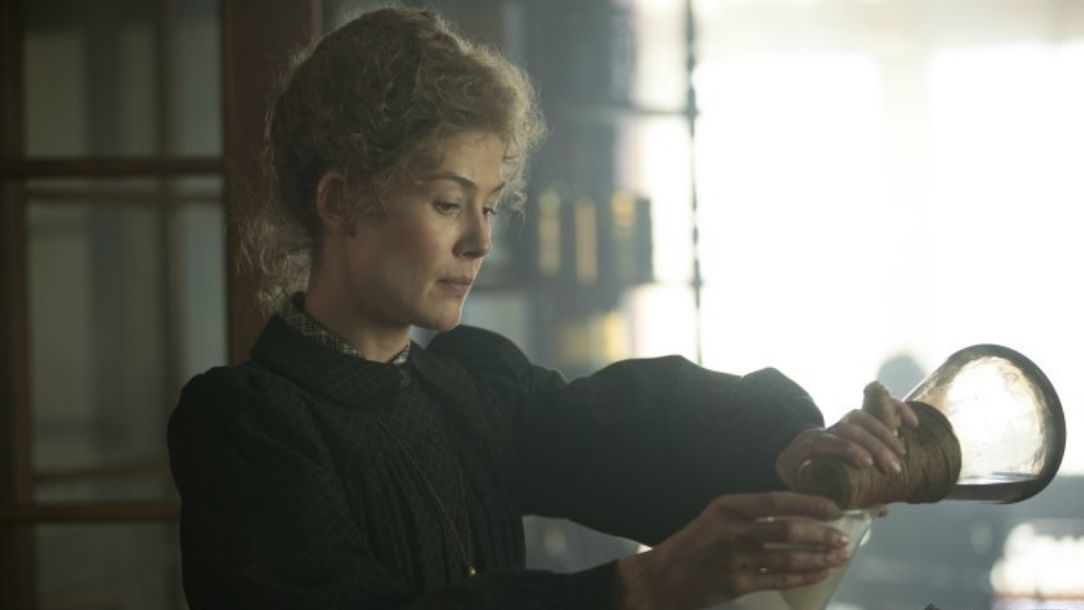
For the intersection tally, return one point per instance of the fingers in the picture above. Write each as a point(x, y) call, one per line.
point(877, 439)
point(749, 542)
point(797, 451)
point(811, 548)
point(763, 569)
point(835, 443)
point(875, 427)
point(860, 438)
point(907, 413)
point(795, 533)
point(782, 562)
point(775, 504)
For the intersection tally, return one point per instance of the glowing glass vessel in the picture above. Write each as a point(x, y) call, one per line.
point(1011, 429)
point(1007, 417)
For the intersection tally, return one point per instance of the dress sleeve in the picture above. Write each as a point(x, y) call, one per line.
point(265, 524)
point(639, 448)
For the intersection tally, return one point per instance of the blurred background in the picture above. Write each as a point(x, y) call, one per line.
point(846, 190)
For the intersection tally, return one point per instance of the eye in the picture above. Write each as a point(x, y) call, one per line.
point(490, 210)
point(446, 207)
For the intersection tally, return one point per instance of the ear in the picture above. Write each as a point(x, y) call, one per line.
point(330, 206)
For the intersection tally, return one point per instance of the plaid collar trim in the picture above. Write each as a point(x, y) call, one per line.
point(293, 313)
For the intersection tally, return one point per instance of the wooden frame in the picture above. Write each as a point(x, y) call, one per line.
point(18, 582)
point(95, 512)
point(254, 57)
point(257, 38)
point(15, 168)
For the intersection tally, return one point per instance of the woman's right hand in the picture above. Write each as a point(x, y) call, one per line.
point(738, 544)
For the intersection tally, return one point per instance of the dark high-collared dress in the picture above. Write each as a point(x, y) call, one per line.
point(314, 480)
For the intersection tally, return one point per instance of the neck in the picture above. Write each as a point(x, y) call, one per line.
point(377, 342)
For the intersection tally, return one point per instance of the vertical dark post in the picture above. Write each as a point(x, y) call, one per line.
point(168, 52)
point(18, 585)
point(691, 112)
point(258, 38)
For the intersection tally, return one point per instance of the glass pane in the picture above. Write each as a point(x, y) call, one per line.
point(647, 305)
point(659, 75)
point(97, 84)
point(654, 161)
point(108, 567)
point(201, 238)
point(882, 184)
point(127, 294)
point(197, 66)
point(107, 482)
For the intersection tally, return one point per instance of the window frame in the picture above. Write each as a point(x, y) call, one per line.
point(256, 37)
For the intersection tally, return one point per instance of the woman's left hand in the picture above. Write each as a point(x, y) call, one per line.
point(859, 437)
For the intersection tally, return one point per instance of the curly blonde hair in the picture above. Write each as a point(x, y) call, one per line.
point(370, 100)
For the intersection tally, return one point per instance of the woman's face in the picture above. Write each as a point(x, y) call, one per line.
point(416, 264)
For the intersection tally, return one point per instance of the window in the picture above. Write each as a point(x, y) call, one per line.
point(879, 184)
point(113, 273)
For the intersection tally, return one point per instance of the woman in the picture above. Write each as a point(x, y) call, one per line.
point(344, 467)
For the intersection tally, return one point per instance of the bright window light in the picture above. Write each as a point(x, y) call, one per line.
point(872, 198)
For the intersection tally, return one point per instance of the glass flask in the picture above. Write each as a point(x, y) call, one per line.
point(853, 524)
point(1007, 417)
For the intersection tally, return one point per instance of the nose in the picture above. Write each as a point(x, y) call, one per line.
point(476, 240)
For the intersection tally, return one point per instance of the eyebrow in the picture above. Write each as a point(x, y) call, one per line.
point(461, 180)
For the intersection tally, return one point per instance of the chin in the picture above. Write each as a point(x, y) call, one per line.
point(443, 321)
point(445, 326)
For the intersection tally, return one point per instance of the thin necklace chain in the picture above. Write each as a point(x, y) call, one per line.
point(464, 550)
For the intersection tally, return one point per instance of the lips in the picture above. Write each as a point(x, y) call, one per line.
point(456, 285)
